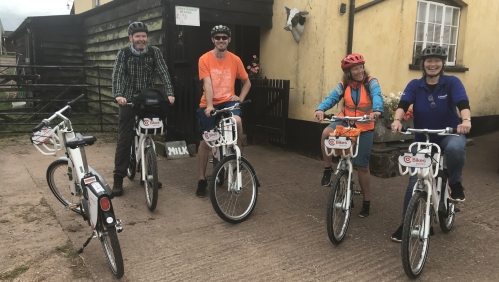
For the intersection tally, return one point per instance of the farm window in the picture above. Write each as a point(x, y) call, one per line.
point(436, 24)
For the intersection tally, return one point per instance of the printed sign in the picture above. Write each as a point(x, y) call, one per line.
point(176, 150)
point(211, 136)
point(42, 135)
point(187, 15)
point(341, 143)
point(98, 188)
point(89, 180)
point(148, 123)
point(418, 160)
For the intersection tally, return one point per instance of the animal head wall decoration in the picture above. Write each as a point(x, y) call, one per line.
point(295, 22)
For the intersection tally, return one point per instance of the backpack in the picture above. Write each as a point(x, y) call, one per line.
point(150, 102)
point(128, 53)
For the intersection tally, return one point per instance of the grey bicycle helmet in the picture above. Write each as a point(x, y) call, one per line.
point(434, 51)
point(220, 29)
point(137, 27)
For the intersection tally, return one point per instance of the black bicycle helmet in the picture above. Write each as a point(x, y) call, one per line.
point(220, 29)
point(137, 27)
point(434, 51)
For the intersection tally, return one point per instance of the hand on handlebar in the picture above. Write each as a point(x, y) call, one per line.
point(121, 101)
point(374, 116)
point(208, 111)
point(396, 126)
point(464, 128)
point(235, 98)
point(319, 115)
point(171, 99)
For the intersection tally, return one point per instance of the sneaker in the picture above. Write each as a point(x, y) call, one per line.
point(364, 213)
point(397, 236)
point(326, 177)
point(117, 186)
point(201, 191)
point(457, 192)
point(159, 184)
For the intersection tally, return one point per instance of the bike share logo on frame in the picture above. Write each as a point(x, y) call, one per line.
point(211, 135)
point(418, 160)
point(151, 123)
point(338, 143)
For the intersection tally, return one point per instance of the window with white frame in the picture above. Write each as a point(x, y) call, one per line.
point(436, 24)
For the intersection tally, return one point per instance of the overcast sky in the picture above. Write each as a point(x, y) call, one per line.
point(14, 12)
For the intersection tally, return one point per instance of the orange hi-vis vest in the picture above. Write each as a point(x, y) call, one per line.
point(364, 107)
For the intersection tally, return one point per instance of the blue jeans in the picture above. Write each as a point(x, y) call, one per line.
point(454, 148)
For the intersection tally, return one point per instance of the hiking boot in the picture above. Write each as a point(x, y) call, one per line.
point(201, 191)
point(365, 209)
point(326, 177)
point(397, 236)
point(457, 192)
point(159, 184)
point(117, 186)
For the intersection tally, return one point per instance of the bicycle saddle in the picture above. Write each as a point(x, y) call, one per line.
point(80, 140)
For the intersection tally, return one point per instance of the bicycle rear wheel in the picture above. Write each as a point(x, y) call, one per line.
point(130, 172)
point(59, 175)
point(230, 204)
point(109, 241)
point(414, 245)
point(151, 182)
point(338, 210)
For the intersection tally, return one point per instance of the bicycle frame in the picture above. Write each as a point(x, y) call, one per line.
point(145, 127)
point(426, 162)
point(223, 138)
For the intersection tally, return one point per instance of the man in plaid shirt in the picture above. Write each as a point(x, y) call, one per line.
point(134, 70)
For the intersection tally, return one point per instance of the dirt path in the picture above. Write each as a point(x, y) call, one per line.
point(284, 240)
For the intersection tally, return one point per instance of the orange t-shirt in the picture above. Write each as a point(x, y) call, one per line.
point(223, 74)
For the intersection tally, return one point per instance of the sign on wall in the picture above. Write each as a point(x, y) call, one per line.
point(187, 15)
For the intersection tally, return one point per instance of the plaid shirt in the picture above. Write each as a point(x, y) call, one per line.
point(138, 73)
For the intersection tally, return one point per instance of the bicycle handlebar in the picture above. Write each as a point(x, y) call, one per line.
point(332, 117)
point(229, 109)
point(46, 122)
point(446, 131)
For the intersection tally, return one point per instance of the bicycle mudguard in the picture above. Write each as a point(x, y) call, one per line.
point(103, 182)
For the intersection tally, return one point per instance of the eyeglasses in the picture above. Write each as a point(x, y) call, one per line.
point(221, 37)
point(432, 105)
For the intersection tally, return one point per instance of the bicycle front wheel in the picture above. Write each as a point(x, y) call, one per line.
point(233, 204)
point(59, 175)
point(109, 241)
point(130, 172)
point(151, 183)
point(338, 210)
point(414, 244)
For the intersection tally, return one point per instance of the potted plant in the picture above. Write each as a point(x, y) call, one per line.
point(382, 133)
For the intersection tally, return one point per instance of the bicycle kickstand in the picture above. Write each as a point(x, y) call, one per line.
point(86, 242)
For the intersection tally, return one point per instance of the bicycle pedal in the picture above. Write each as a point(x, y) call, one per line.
point(73, 207)
point(456, 209)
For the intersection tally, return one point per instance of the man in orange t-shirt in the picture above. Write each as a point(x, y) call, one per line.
point(218, 69)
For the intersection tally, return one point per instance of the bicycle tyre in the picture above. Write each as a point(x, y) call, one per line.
point(414, 247)
point(111, 246)
point(337, 218)
point(132, 164)
point(151, 182)
point(58, 175)
point(232, 206)
point(447, 218)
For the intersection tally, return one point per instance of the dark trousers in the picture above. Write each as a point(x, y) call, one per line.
point(125, 137)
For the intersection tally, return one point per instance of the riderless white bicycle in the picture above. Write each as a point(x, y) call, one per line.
point(431, 197)
point(233, 184)
point(143, 156)
point(77, 185)
point(341, 196)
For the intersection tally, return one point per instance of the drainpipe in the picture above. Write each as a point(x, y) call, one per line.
point(351, 14)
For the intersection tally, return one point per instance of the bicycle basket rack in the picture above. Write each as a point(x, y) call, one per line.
point(225, 133)
point(47, 141)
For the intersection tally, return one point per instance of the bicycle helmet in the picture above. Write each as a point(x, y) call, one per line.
point(137, 27)
point(220, 29)
point(434, 51)
point(352, 60)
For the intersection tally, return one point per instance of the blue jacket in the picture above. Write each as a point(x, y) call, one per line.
point(448, 92)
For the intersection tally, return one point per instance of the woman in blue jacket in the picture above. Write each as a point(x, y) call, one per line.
point(434, 98)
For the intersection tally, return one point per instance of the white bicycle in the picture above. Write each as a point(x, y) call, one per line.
point(430, 202)
point(233, 183)
point(341, 196)
point(143, 156)
point(78, 186)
